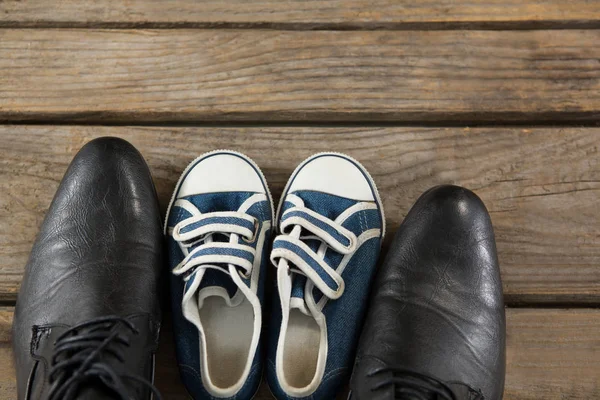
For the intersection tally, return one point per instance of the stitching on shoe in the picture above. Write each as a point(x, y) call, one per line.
point(187, 367)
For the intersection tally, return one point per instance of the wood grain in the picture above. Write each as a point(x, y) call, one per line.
point(318, 14)
point(540, 185)
point(127, 76)
point(552, 354)
point(8, 384)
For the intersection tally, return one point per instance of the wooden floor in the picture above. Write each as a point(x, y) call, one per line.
point(500, 96)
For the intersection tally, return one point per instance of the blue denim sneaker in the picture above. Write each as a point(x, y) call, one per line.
point(330, 225)
point(218, 232)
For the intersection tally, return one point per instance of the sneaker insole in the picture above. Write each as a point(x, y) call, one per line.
point(301, 349)
point(228, 332)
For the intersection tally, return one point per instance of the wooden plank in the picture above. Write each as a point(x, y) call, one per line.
point(8, 384)
point(541, 186)
point(552, 354)
point(356, 14)
point(264, 75)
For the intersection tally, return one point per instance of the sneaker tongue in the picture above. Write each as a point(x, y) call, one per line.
point(299, 281)
point(209, 282)
point(195, 295)
point(95, 391)
point(297, 295)
point(299, 304)
point(212, 291)
point(212, 281)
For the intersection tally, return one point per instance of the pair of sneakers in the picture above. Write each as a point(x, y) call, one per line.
point(223, 237)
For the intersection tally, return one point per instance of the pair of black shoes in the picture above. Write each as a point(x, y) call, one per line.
point(88, 316)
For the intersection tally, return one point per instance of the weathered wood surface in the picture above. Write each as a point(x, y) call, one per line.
point(356, 14)
point(8, 387)
point(128, 76)
point(541, 186)
point(551, 355)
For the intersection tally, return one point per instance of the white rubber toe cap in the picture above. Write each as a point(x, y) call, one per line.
point(221, 172)
point(334, 174)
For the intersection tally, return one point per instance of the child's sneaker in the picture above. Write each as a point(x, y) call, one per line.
point(218, 236)
point(330, 225)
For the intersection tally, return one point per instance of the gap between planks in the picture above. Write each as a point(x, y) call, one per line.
point(303, 15)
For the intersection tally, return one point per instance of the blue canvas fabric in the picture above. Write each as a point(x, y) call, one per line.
point(310, 260)
point(211, 203)
point(218, 220)
point(336, 235)
point(343, 315)
point(187, 337)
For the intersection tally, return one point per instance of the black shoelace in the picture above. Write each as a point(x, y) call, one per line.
point(411, 385)
point(78, 355)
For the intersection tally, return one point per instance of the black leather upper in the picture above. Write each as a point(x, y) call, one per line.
point(98, 253)
point(437, 305)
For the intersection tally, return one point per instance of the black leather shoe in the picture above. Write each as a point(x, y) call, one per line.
point(88, 316)
point(435, 329)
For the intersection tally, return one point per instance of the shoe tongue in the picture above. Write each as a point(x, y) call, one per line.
point(298, 292)
point(219, 291)
point(215, 280)
point(94, 387)
point(218, 282)
point(297, 303)
point(330, 207)
point(196, 293)
point(424, 394)
point(297, 300)
point(95, 391)
point(210, 282)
